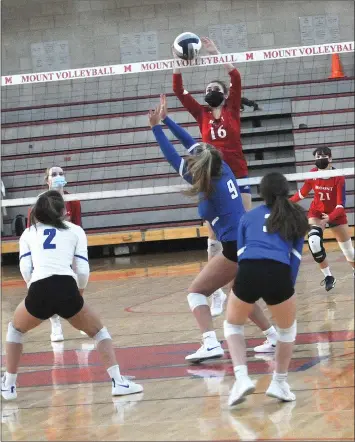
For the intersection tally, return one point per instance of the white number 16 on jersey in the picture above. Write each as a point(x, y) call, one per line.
point(232, 189)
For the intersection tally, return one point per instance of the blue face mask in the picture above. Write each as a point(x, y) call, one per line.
point(58, 181)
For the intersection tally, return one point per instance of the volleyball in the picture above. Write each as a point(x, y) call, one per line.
point(187, 45)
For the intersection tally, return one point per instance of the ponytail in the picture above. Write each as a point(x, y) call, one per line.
point(203, 167)
point(286, 218)
point(49, 210)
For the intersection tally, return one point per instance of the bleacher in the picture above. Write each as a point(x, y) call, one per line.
point(106, 145)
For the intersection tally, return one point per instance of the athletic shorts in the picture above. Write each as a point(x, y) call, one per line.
point(230, 250)
point(246, 188)
point(56, 295)
point(337, 222)
point(263, 278)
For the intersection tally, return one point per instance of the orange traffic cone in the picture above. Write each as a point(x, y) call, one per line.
point(337, 69)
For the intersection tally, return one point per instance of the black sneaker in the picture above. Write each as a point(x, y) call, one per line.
point(329, 282)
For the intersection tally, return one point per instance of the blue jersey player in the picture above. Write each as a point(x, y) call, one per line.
point(219, 203)
point(270, 242)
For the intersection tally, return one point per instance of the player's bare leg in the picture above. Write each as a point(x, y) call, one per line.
point(316, 245)
point(218, 272)
point(214, 248)
point(247, 202)
point(341, 234)
point(285, 318)
point(269, 345)
point(88, 321)
point(237, 315)
point(21, 323)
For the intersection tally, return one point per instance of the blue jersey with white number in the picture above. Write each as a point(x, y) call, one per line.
point(254, 242)
point(224, 208)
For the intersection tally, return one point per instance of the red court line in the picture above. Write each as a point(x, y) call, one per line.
point(163, 354)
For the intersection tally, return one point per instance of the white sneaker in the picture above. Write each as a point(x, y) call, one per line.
point(241, 388)
point(123, 386)
point(57, 333)
point(280, 390)
point(208, 350)
point(265, 347)
point(218, 301)
point(8, 392)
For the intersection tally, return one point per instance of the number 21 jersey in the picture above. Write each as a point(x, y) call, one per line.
point(329, 196)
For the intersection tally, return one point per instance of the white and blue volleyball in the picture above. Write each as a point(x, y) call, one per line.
point(187, 45)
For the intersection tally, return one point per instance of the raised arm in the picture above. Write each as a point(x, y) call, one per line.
point(235, 91)
point(296, 256)
point(26, 265)
point(169, 152)
point(181, 134)
point(303, 192)
point(186, 99)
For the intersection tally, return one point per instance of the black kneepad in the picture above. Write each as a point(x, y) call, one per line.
point(315, 244)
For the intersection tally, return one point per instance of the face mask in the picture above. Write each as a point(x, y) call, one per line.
point(214, 98)
point(58, 181)
point(322, 163)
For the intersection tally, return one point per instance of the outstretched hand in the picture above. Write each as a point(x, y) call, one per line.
point(154, 116)
point(209, 45)
point(163, 107)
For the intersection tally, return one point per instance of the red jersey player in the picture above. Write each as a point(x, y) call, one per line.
point(327, 207)
point(54, 178)
point(219, 124)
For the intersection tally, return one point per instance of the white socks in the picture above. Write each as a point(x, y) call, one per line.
point(279, 377)
point(114, 372)
point(10, 379)
point(210, 335)
point(55, 320)
point(240, 370)
point(271, 335)
point(326, 272)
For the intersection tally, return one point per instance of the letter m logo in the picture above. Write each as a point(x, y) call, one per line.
point(8, 80)
point(128, 68)
point(249, 56)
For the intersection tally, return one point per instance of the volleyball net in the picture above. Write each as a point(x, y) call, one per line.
point(92, 122)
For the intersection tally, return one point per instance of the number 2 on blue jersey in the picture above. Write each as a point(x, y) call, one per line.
point(232, 189)
point(264, 227)
point(51, 233)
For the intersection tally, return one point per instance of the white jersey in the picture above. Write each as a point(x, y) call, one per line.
point(47, 251)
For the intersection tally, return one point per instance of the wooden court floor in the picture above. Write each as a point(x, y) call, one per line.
point(64, 393)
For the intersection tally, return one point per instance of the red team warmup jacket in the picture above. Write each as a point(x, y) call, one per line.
point(224, 134)
point(329, 198)
point(73, 212)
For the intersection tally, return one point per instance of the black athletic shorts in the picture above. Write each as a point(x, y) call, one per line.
point(230, 250)
point(56, 295)
point(263, 278)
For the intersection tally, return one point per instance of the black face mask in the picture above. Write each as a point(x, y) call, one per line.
point(214, 98)
point(322, 163)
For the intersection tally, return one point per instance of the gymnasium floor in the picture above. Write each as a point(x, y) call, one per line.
point(66, 395)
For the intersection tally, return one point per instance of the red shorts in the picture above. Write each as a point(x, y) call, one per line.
point(312, 213)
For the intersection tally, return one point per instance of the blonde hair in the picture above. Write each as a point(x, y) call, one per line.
point(205, 165)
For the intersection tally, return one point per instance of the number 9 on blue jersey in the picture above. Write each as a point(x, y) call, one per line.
point(232, 189)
